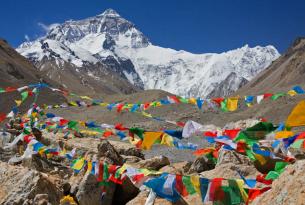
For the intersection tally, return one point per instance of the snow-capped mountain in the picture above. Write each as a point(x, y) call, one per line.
point(115, 43)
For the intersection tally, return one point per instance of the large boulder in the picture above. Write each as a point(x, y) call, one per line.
point(227, 156)
point(20, 185)
point(90, 193)
point(201, 164)
point(43, 164)
point(154, 163)
point(106, 150)
point(287, 189)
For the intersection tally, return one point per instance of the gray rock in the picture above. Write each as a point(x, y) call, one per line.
point(154, 163)
point(106, 150)
point(90, 193)
point(201, 164)
point(21, 186)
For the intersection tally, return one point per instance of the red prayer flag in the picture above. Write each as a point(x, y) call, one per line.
point(175, 99)
point(199, 152)
point(146, 106)
point(241, 147)
point(216, 192)
point(267, 95)
point(107, 134)
point(120, 127)
point(253, 193)
point(180, 124)
point(10, 89)
point(218, 101)
point(210, 134)
point(119, 107)
point(63, 122)
point(180, 187)
point(101, 172)
point(262, 179)
point(2, 116)
point(138, 177)
point(231, 133)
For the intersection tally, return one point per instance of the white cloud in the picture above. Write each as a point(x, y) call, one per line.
point(45, 27)
point(27, 38)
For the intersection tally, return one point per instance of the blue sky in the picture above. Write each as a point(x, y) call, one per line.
point(197, 26)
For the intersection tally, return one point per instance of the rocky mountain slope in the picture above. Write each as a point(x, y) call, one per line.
point(108, 43)
point(16, 71)
point(287, 71)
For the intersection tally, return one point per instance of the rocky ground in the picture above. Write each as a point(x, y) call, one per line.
point(40, 181)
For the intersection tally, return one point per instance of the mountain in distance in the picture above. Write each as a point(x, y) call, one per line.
point(284, 73)
point(90, 50)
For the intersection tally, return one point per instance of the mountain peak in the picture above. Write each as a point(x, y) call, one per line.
point(113, 41)
point(110, 12)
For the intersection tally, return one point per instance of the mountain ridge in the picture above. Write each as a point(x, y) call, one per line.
point(284, 73)
point(118, 45)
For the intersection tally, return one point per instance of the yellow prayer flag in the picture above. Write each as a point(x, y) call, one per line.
point(89, 164)
point(283, 134)
point(150, 138)
point(73, 103)
point(196, 183)
point(291, 93)
point(79, 164)
point(167, 140)
point(261, 159)
point(103, 104)
point(232, 103)
point(85, 97)
point(297, 116)
point(193, 101)
point(240, 184)
point(146, 114)
point(18, 102)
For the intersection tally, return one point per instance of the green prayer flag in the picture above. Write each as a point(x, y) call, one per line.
point(188, 184)
point(183, 100)
point(24, 95)
point(272, 175)
point(223, 105)
point(242, 136)
point(277, 95)
point(2, 90)
point(72, 124)
point(234, 191)
point(253, 134)
point(280, 166)
point(297, 144)
point(105, 180)
point(138, 131)
point(250, 154)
